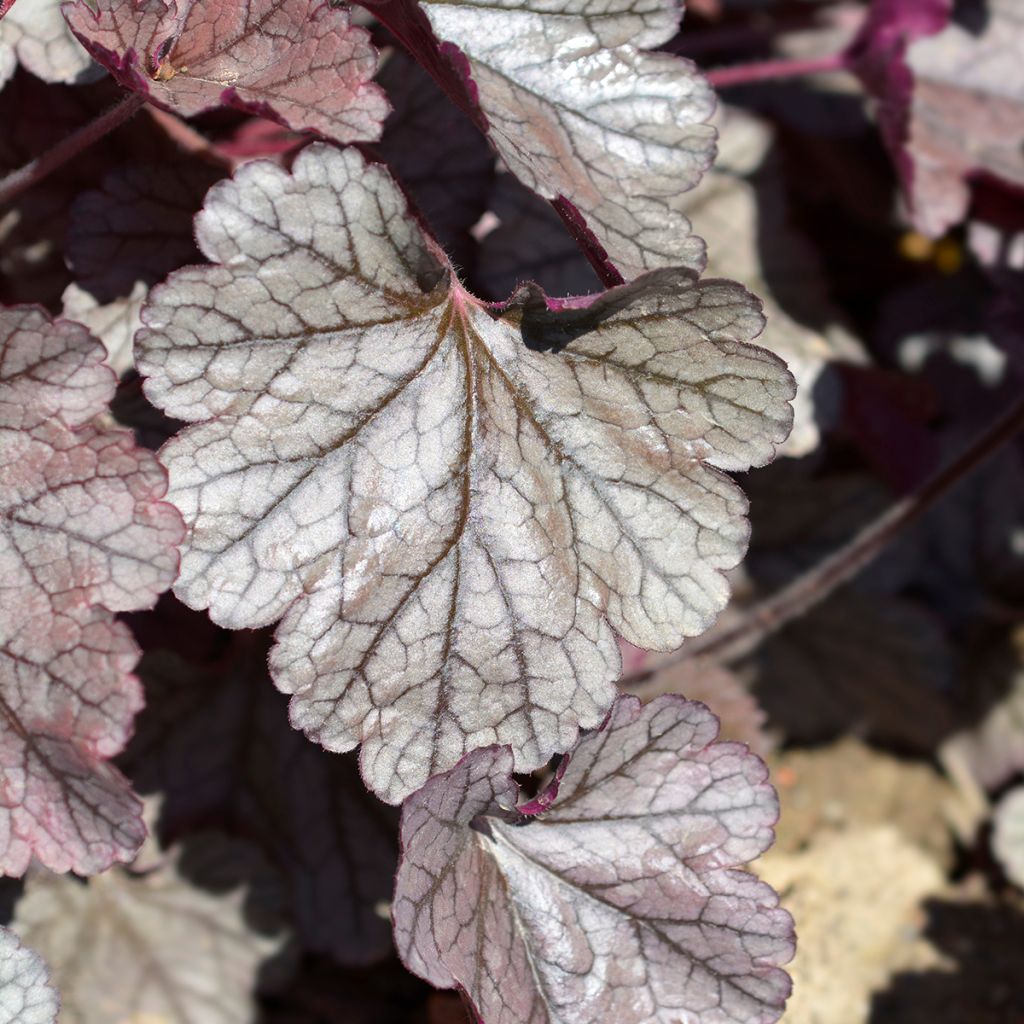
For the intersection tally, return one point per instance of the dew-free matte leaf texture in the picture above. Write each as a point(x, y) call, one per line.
point(26, 995)
point(445, 499)
point(83, 533)
point(36, 35)
point(576, 109)
point(300, 62)
point(138, 226)
point(155, 947)
point(967, 112)
point(436, 153)
point(215, 742)
point(619, 901)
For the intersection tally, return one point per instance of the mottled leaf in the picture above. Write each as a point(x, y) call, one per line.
point(37, 36)
point(151, 947)
point(215, 742)
point(614, 895)
point(578, 111)
point(445, 498)
point(300, 62)
point(83, 533)
point(26, 995)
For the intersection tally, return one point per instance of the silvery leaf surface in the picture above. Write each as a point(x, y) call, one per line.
point(300, 62)
point(451, 504)
point(83, 533)
point(615, 895)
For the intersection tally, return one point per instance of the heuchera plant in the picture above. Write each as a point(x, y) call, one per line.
point(434, 514)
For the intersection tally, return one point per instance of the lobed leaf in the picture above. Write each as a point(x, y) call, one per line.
point(214, 741)
point(37, 37)
point(578, 111)
point(967, 112)
point(300, 62)
point(616, 896)
point(172, 945)
point(137, 226)
point(445, 499)
point(26, 995)
point(83, 533)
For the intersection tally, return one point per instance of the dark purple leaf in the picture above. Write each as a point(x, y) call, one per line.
point(215, 742)
point(137, 226)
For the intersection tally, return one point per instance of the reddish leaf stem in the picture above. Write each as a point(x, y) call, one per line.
point(35, 170)
point(808, 590)
point(773, 70)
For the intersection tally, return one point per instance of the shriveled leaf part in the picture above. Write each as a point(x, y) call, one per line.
point(300, 62)
point(36, 35)
point(26, 995)
point(967, 113)
point(83, 533)
point(215, 742)
point(619, 900)
point(444, 499)
point(578, 110)
point(154, 947)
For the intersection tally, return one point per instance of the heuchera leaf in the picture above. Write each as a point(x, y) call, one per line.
point(26, 995)
point(138, 226)
point(577, 111)
point(878, 55)
point(436, 153)
point(441, 497)
point(37, 36)
point(300, 62)
point(967, 114)
point(148, 948)
point(83, 533)
point(214, 740)
point(739, 715)
point(612, 897)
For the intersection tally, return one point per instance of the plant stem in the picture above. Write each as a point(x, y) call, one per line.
point(772, 70)
point(804, 592)
point(35, 170)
